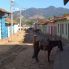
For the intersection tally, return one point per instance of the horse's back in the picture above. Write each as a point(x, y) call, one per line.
point(54, 42)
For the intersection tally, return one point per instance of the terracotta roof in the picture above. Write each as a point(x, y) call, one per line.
point(51, 21)
point(65, 2)
point(8, 20)
point(46, 21)
point(60, 18)
point(43, 21)
point(4, 11)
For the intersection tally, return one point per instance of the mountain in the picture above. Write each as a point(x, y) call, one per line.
point(43, 12)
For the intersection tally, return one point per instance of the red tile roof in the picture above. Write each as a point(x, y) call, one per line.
point(51, 21)
point(43, 21)
point(46, 21)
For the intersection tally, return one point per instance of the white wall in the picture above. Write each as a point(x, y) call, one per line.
point(9, 31)
point(15, 28)
point(64, 35)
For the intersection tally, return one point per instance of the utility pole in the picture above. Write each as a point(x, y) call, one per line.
point(11, 10)
point(20, 19)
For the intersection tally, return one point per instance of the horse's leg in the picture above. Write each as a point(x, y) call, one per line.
point(60, 46)
point(33, 55)
point(49, 52)
point(36, 56)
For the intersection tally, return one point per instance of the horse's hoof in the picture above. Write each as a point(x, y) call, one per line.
point(37, 60)
point(62, 49)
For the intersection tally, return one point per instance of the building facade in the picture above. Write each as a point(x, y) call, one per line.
point(59, 28)
point(3, 28)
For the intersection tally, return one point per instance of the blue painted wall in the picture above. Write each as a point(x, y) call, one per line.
point(4, 29)
point(0, 27)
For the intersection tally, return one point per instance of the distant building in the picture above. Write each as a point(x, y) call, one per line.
point(58, 26)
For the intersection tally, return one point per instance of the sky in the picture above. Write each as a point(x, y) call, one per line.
point(5, 4)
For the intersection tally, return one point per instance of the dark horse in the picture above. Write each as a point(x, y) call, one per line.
point(51, 44)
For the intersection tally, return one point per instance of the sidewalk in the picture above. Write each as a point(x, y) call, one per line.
point(62, 59)
point(14, 39)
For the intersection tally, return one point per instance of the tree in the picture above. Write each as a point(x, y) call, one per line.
point(30, 22)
